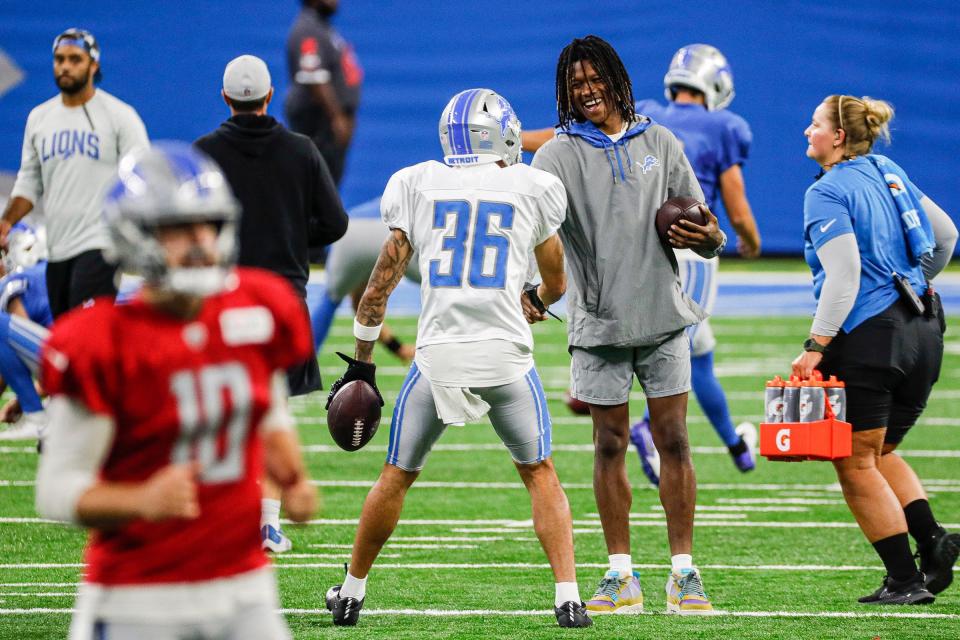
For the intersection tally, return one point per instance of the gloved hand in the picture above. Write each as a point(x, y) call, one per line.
point(356, 370)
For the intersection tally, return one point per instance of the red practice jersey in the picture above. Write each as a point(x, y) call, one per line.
point(182, 390)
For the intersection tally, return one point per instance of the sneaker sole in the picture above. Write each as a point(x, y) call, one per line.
point(282, 548)
point(676, 610)
point(625, 609)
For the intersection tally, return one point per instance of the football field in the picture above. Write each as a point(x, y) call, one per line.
point(780, 554)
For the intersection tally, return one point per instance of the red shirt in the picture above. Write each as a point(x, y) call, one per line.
point(180, 390)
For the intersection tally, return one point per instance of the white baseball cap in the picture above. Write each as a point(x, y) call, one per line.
point(246, 79)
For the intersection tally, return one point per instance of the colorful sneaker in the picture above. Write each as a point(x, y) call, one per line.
point(274, 540)
point(642, 439)
point(572, 614)
point(746, 459)
point(685, 593)
point(617, 595)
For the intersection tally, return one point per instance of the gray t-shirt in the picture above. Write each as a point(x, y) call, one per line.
point(625, 290)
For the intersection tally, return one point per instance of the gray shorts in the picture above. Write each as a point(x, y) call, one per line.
point(353, 257)
point(518, 412)
point(604, 375)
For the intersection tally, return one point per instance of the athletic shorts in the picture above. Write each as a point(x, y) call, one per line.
point(351, 259)
point(889, 365)
point(698, 277)
point(72, 282)
point(604, 375)
point(518, 412)
point(243, 607)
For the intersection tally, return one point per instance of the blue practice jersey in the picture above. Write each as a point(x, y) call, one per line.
point(30, 285)
point(713, 141)
point(853, 197)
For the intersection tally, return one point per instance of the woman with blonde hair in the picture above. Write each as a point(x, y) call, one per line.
point(874, 242)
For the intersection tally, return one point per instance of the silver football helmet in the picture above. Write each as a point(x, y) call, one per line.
point(170, 183)
point(26, 247)
point(479, 126)
point(704, 68)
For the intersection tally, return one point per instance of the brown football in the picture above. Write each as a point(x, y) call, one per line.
point(354, 415)
point(676, 209)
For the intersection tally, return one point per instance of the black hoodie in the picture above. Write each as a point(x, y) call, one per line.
point(289, 199)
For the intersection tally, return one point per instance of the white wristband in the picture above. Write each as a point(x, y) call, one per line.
point(363, 332)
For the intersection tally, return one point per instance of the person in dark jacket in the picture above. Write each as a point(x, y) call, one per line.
point(290, 203)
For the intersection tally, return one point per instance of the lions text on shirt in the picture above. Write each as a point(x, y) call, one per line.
point(69, 156)
point(475, 228)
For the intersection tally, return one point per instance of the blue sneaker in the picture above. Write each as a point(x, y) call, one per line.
point(649, 456)
point(274, 540)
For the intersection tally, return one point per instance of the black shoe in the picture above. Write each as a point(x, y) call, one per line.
point(892, 591)
point(572, 614)
point(937, 557)
point(346, 611)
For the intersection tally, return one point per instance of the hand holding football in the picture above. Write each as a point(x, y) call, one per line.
point(354, 415)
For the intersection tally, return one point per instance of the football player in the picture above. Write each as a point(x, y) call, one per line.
point(716, 141)
point(350, 261)
point(474, 221)
point(165, 411)
point(24, 316)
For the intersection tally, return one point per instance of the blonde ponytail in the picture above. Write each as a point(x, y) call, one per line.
point(862, 119)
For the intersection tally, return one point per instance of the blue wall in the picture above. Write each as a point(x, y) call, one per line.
point(166, 59)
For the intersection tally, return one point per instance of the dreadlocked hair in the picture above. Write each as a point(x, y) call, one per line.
point(608, 66)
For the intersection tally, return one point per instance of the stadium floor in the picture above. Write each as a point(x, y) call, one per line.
point(780, 553)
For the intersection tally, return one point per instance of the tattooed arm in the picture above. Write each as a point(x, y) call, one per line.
point(391, 265)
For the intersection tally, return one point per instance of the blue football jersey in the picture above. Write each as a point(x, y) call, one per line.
point(30, 285)
point(713, 141)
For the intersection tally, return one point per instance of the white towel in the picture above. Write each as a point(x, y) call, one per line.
point(458, 405)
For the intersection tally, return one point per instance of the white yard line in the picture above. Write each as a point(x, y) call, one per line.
point(402, 545)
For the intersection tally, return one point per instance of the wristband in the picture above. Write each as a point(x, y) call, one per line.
point(363, 332)
point(393, 345)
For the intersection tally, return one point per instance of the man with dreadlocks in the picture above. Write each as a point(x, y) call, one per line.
point(627, 312)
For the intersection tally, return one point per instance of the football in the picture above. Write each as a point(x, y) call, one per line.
point(354, 415)
point(578, 407)
point(676, 209)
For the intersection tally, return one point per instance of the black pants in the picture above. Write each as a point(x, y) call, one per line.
point(314, 124)
point(73, 282)
point(304, 378)
point(889, 365)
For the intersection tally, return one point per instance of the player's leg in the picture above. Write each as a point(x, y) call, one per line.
point(602, 378)
point(519, 414)
point(272, 537)
point(664, 372)
point(19, 347)
point(413, 431)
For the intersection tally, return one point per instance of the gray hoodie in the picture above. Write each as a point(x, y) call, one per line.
point(625, 289)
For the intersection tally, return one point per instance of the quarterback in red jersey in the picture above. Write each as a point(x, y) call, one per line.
point(166, 411)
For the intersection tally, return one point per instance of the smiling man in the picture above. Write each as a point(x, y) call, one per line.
point(627, 312)
point(71, 148)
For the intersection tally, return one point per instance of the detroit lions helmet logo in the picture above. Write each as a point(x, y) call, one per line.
point(649, 162)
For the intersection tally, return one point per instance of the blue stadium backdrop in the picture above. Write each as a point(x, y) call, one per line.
point(166, 59)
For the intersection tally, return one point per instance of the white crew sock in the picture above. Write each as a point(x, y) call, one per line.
point(622, 563)
point(566, 592)
point(680, 562)
point(270, 513)
point(353, 587)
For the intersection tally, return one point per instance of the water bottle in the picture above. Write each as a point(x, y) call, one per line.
point(791, 400)
point(837, 395)
point(773, 400)
point(811, 400)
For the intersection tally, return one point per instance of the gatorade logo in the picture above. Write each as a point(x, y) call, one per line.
point(783, 440)
point(775, 408)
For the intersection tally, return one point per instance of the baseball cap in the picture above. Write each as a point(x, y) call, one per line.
point(246, 79)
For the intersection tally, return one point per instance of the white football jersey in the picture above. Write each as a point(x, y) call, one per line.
point(475, 229)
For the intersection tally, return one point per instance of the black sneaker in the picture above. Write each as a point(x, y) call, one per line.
point(572, 614)
point(346, 611)
point(892, 591)
point(937, 558)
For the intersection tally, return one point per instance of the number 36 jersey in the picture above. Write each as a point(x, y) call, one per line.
point(177, 391)
point(475, 229)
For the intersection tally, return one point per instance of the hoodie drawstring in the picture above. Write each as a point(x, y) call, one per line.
point(613, 169)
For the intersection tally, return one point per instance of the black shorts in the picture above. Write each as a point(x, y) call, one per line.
point(304, 378)
point(889, 365)
point(74, 281)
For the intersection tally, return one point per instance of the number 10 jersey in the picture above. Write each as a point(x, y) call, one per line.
point(475, 229)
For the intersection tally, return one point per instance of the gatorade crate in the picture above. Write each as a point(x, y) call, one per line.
point(828, 439)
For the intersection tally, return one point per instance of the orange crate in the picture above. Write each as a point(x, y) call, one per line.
point(828, 439)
